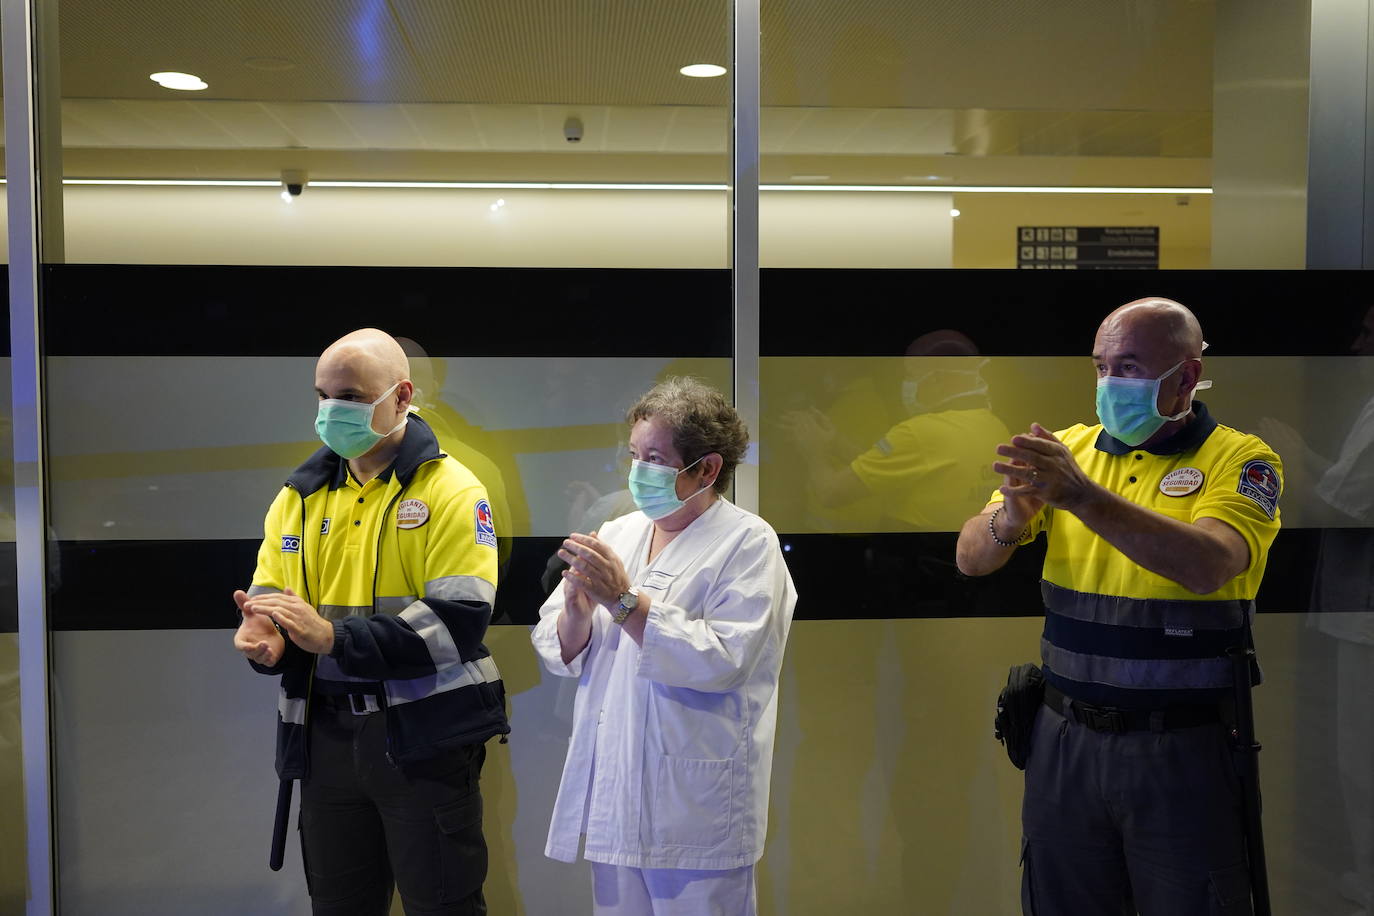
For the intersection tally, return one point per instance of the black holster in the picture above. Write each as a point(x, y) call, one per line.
point(1017, 705)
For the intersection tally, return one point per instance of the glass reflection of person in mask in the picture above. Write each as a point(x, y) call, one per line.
point(473, 446)
point(673, 620)
point(925, 470)
point(1338, 495)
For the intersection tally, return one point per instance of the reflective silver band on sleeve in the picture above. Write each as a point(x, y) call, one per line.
point(1151, 613)
point(465, 674)
point(291, 709)
point(461, 588)
point(255, 590)
point(1138, 673)
point(422, 619)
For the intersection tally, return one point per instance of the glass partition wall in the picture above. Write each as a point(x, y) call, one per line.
point(539, 201)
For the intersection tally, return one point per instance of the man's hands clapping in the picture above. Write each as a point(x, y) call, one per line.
point(1042, 471)
point(259, 640)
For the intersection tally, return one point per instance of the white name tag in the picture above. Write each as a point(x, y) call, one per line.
point(658, 580)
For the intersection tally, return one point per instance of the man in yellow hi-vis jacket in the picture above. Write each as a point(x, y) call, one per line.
point(372, 594)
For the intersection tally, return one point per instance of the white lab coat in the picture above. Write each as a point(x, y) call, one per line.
point(672, 743)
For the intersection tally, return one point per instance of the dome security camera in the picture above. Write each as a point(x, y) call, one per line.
point(294, 180)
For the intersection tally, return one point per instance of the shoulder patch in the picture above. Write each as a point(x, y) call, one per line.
point(411, 513)
point(1260, 481)
point(483, 523)
point(290, 543)
point(1181, 482)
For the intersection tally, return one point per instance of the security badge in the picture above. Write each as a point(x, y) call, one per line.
point(411, 513)
point(483, 524)
point(1259, 480)
point(1181, 482)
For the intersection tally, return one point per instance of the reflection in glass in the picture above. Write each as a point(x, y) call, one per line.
point(1338, 493)
point(929, 470)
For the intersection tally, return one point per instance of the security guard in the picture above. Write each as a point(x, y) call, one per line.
point(1159, 521)
point(372, 594)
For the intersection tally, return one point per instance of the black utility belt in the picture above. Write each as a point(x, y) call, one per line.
point(1109, 719)
point(359, 704)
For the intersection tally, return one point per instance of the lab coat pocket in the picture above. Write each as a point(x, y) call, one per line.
point(692, 804)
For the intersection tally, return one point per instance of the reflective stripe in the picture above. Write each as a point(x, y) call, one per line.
point(340, 611)
point(1153, 613)
point(422, 619)
point(1138, 673)
point(291, 709)
point(394, 606)
point(461, 588)
point(466, 674)
point(255, 590)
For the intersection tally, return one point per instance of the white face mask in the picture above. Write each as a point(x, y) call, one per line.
point(971, 379)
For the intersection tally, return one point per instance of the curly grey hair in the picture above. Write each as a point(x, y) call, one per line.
point(701, 421)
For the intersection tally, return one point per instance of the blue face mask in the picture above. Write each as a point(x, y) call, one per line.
point(346, 426)
point(1129, 407)
point(654, 488)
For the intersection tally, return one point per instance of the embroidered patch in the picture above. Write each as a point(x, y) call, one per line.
point(411, 513)
point(483, 523)
point(1178, 631)
point(290, 543)
point(1181, 482)
point(324, 527)
point(1260, 482)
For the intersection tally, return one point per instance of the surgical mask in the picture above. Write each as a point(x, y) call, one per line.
point(1129, 407)
point(346, 426)
point(911, 388)
point(654, 488)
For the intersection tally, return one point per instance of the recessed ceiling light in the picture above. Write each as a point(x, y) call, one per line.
point(173, 80)
point(702, 70)
point(954, 212)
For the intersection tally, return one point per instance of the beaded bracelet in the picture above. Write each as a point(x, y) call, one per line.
point(992, 530)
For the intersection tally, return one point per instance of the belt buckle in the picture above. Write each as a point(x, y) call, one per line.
point(1103, 720)
point(369, 704)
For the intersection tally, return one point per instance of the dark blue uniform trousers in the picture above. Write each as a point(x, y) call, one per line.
point(365, 824)
point(1143, 821)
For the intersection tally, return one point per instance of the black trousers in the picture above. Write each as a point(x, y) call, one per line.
point(365, 826)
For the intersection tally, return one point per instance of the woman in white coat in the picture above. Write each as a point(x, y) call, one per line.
point(673, 619)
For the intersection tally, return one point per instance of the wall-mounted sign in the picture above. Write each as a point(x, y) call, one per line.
point(1087, 247)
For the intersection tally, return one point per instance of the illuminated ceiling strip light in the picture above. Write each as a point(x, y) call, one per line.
point(980, 189)
point(177, 182)
point(608, 186)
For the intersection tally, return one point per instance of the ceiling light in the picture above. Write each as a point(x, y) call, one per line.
point(702, 70)
point(954, 213)
point(170, 79)
point(607, 186)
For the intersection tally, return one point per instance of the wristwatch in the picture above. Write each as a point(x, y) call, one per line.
point(626, 604)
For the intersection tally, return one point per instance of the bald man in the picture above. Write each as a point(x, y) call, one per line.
point(1159, 521)
point(372, 594)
